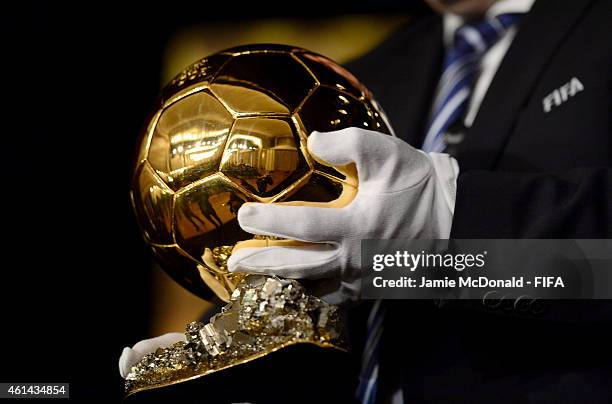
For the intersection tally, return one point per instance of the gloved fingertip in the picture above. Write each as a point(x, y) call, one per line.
point(125, 361)
point(325, 147)
point(233, 264)
point(241, 268)
point(245, 210)
point(235, 261)
point(250, 211)
point(241, 261)
point(315, 141)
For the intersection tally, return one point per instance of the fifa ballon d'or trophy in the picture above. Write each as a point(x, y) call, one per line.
point(229, 129)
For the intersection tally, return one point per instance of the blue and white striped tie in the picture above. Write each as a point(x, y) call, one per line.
point(460, 68)
point(461, 65)
point(368, 379)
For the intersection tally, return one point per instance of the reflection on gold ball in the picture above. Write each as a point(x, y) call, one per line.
point(229, 129)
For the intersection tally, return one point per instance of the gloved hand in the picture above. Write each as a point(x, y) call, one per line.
point(131, 356)
point(402, 193)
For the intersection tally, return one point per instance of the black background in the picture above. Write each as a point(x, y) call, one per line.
point(77, 83)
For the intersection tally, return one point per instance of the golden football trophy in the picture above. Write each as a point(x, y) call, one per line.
point(229, 129)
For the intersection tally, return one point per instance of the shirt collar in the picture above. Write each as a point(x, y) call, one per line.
point(451, 22)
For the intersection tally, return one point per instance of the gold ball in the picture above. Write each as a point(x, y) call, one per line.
point(229, 129)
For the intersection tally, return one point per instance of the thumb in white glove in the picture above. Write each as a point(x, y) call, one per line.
point(402, 193)
point(131, 356)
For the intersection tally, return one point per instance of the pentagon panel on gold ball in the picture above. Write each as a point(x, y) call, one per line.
point(232, 128)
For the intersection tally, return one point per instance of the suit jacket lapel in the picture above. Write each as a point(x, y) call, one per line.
point(541, 33)
point(404, 85)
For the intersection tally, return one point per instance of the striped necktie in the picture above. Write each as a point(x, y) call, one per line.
point(460, 68)
point(459, 71)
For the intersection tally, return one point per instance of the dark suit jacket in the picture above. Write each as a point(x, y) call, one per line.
point(525, 173)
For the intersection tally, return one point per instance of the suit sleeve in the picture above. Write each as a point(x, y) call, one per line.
point(572, 204)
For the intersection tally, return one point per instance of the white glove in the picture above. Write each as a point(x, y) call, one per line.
point(402, 193)
point(131, 356)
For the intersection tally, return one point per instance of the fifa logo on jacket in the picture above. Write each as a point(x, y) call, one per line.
point(562, 94)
